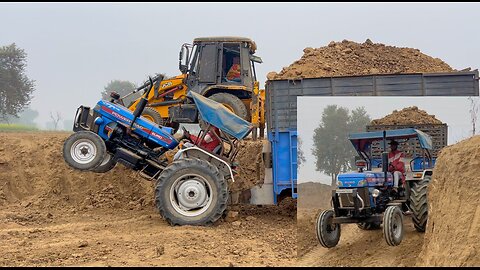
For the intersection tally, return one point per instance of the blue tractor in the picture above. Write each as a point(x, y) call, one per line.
point(190, 190)
point(367, 197)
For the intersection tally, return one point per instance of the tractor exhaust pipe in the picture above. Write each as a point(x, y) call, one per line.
point(385, 156)
point(141, 104)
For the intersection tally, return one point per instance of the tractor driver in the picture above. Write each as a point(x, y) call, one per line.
point(211, 142)
point(395, 163)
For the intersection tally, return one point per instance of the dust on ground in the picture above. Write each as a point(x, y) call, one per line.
point(348, 58)
point(53, 215)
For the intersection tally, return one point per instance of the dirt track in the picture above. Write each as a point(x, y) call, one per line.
point(356, 247)
point(56, 216)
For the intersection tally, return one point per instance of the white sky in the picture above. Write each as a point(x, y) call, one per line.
point(75, 49)
point(454, 111)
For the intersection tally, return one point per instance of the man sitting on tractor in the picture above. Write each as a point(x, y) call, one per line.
point(211, 142)
point(395, 164)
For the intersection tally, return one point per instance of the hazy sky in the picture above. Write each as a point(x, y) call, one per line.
point(454, 111)
point(75, 49)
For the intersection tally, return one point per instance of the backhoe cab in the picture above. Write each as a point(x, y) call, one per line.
point(205, 65)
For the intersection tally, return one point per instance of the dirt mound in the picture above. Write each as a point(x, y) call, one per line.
point(51, 214)
point(33, 171)
point(250, 165)
point(348, 58)
point(452, 237)
point(407, 116)
point(33, 167)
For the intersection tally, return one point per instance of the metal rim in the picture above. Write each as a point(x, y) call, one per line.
point(83, 151)
point(191, 195)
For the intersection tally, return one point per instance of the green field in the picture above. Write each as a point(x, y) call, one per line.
point(17, 127)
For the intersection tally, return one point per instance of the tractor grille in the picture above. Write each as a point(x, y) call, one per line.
point(347, 199)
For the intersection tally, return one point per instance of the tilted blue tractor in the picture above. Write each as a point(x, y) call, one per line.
point(367, 197)
point(191, 190)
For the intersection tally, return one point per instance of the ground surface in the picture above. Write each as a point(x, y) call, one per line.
point(53, 215)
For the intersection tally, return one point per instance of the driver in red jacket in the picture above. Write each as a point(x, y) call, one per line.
point(395, 164)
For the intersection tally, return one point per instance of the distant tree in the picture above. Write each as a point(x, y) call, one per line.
point(300, 156)
point(55, 119)
point(333, 151)
point(121, 87)
point(15, 87)
point(26, 117)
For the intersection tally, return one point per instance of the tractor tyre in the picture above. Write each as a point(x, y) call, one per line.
point(191, 191)
point(328, 234)
point(393, 230)
point(152, 115)
point(419, 205)
point(84, 150)
point(232, 103)
point(367, 226)
point(107, 164)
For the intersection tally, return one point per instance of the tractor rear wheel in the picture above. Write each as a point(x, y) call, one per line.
point(419, 205)
point(369, 225)
point(232, 103)
point(84, 150)
point(328, 233)
point(393, 226)
point(191, 191)
point(107, 164)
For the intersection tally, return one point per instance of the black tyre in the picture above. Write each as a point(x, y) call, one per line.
point(328, 234)
point(107, 164)
point(152, 115)
point(84, 150)
point(191, 191)
point(369, 225)
point(233, 103)
point(419, 205)
point(393, 230)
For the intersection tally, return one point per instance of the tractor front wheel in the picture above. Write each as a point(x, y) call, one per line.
point(191, 191)
point(84, 150)
point(328, 233)
point(393, 225)
point(107, 164)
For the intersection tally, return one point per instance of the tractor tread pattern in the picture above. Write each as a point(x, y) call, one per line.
point(186, 163)
point(322, 217)
point(388, 227)
point(419, 205)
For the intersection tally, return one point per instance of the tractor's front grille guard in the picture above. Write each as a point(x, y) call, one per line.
point(84, 119)
point(346, 198)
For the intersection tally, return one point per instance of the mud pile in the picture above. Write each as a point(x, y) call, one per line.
point(452, 237)
point(348, 58)
point(32, 171)
point(407, 116)
point(251, 169)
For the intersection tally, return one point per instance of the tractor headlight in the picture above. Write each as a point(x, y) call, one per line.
point(375, 193)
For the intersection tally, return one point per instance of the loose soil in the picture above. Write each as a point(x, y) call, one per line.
point(407, 116)
point(53, 215)
point(348, 58)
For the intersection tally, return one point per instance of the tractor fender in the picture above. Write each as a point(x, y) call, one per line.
point(180, 155)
